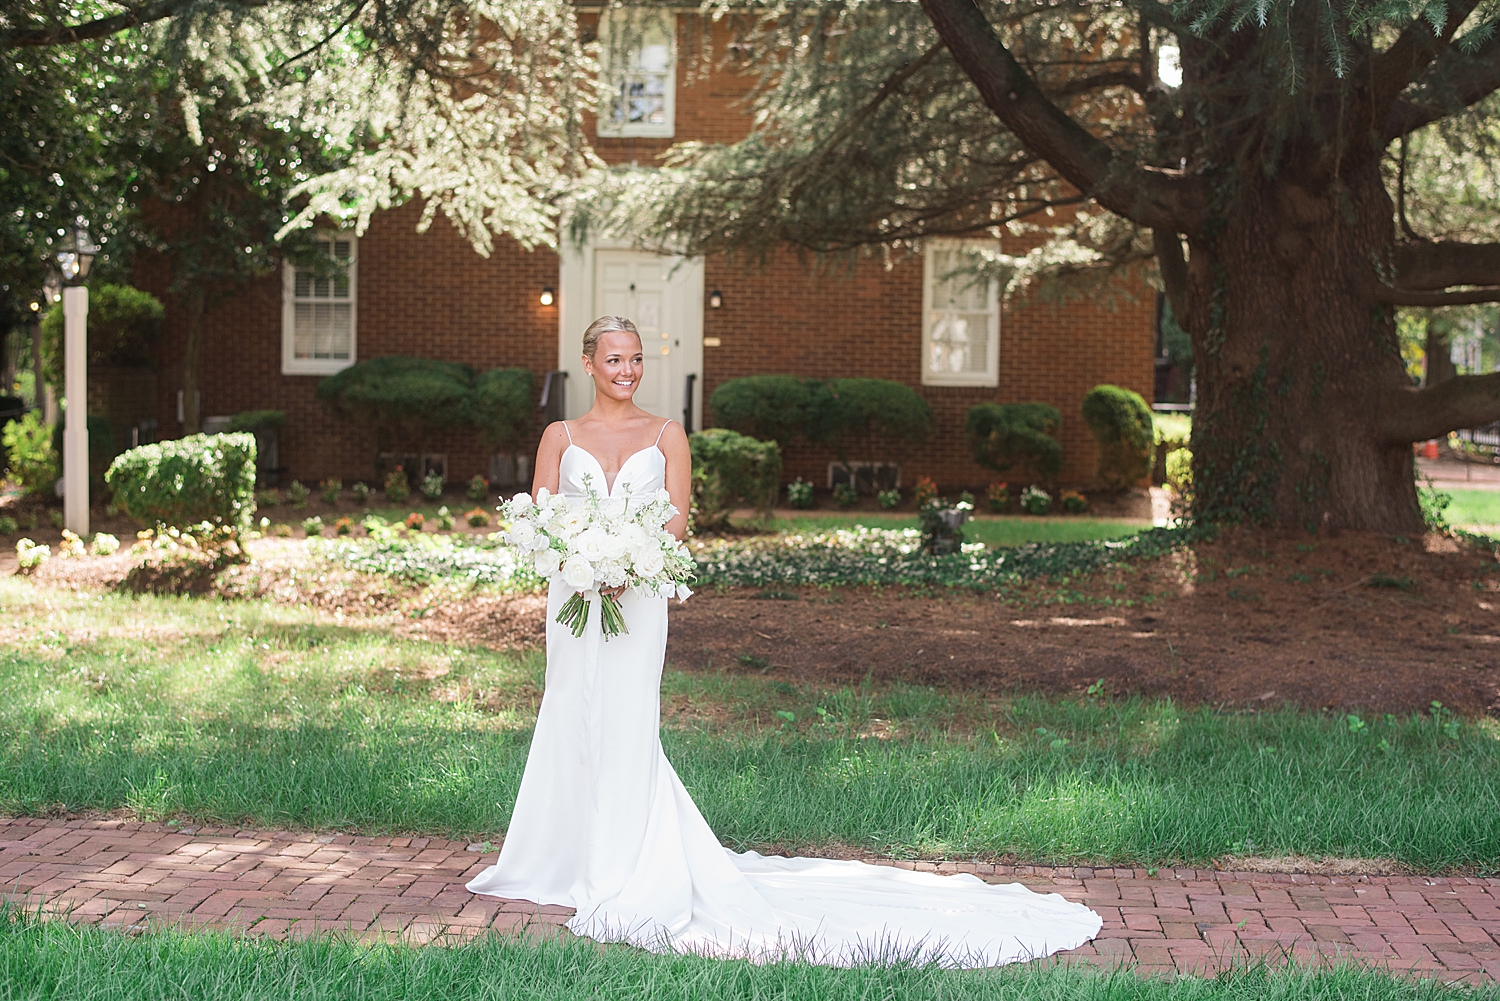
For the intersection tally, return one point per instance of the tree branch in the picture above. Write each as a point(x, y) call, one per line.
point(1410, 297)
point(1426, 265)
point(1458, 80)
point(1412, 52)
point(1149, 196)
point(1098, 81)
point(1174, 271)
point(68, 34)
point(1464, 401)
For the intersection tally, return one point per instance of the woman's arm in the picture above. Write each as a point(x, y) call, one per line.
point(548, 468)
point(674, 445)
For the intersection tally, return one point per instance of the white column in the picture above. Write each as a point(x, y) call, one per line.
point(76, 434)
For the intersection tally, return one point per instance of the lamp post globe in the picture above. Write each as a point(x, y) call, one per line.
point(75, 257)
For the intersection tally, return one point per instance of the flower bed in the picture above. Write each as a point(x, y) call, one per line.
point(840, 557)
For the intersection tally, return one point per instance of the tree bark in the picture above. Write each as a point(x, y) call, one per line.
point(192, 418)
point(1297, 361)
point(1440, 367)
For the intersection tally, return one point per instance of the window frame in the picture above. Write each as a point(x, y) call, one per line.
point(290, 363)
point(603, 124)
point(990, 377)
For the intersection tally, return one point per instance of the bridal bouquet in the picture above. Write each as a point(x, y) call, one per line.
point(599, 543)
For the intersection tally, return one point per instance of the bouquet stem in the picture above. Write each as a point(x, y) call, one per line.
point(574, 614)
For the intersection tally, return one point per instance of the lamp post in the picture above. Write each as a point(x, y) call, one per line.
point(75, 255)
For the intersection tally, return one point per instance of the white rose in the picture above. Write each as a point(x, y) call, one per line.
point(577, 573)
point(663, 497)
point(522, 535)
point(612, 573)
point(542, 495)
point(614, 547)
point(648, 560)
point(632, 535)
point(612, 507)
point(522, 500)
point(590, 544)
point(547, 562)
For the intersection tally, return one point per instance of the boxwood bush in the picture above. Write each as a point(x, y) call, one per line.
point(730, 469)
point(1004, 435)
point(188, 481)
point(1123, 426)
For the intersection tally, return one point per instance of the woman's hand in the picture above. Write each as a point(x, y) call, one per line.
point(613, 592)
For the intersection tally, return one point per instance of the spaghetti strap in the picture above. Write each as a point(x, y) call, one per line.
point(660, 433)
point(566, 431)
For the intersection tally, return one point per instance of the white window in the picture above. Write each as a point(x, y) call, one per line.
point(318, 316)
point(960, 319)
point(639, 61)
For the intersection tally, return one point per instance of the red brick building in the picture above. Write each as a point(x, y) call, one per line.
point(431, 295)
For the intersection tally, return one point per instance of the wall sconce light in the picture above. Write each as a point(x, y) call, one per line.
point(547, 296)
point(715, 299)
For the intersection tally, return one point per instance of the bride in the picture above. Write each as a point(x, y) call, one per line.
point(603, 824)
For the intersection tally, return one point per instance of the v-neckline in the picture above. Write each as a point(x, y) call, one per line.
point(609, 488)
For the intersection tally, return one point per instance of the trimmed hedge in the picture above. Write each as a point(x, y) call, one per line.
point(406, 395)
point(124, 328)
point(1005, 434)
point(1123, 426)
point(730, 469)
point(188, 481)
point(841, 415)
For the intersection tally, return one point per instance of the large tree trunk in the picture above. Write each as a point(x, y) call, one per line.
point(1440, 367)
point(1296, 361)
point(192, 417)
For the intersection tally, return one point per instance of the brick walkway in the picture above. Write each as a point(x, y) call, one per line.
point(129, 875)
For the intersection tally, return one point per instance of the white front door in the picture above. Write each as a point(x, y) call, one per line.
point(663, 296)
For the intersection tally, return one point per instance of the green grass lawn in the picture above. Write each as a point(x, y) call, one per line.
point(1473, 507)
point(249, 712)
point(991, 530)
point(55, 960)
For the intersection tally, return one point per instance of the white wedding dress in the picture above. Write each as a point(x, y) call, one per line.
point(603, 824)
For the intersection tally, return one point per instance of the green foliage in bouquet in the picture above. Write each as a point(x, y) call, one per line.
point(730, 469)
point(188, 481)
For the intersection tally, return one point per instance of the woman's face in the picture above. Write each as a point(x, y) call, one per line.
point(617, 364)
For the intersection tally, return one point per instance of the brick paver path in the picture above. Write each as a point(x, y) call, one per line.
point(128, 875)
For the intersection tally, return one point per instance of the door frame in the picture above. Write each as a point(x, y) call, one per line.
point(683, 307)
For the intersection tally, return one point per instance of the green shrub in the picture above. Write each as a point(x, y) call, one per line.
point(296, 494)
point(1006, 434)
point(730, 469)
point(8, 525)
point(188, 481)
point(1035, 500)
point(329, 490)
point(844, 494)
point(774, 407)
point(1122, 424)
point(799, 494)
point(34, 461)
point(889, 499)
point(257, 421)
point(445, 519)
point(397, 486)
point(432, 485)
point(361, 493)
point(312, 526)
point(1180, 472)
point(479, 488)
point(124, 328)
point(402, 394)
point(502, 404)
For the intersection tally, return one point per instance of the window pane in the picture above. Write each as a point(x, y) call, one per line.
point(959, 342)
point(302, 332)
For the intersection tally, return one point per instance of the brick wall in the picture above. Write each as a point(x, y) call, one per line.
point(431, 295)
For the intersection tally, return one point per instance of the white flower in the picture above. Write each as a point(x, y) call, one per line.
point(612, 507)
point(648, 560)
point(542, 496)
point(522, 500)
point(614, 546)
point(577, 573)
point(612, 573)
point(590, 544)
point(632, 535)
point(521, 535)
point(569, 522)
point(547, 562)
point(663, 497)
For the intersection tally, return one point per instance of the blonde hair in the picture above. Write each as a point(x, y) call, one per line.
point(605, 325)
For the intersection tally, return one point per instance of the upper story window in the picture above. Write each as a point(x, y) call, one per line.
point(960, 319)
point(639, 61)
point(319, 311)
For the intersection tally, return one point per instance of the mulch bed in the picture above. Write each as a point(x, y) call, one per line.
point(1251, 621)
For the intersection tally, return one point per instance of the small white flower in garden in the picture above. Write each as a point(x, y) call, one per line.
point(577, 572)
point(548, 561)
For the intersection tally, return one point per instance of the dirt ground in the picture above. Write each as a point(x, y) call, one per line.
point(1250, 621)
